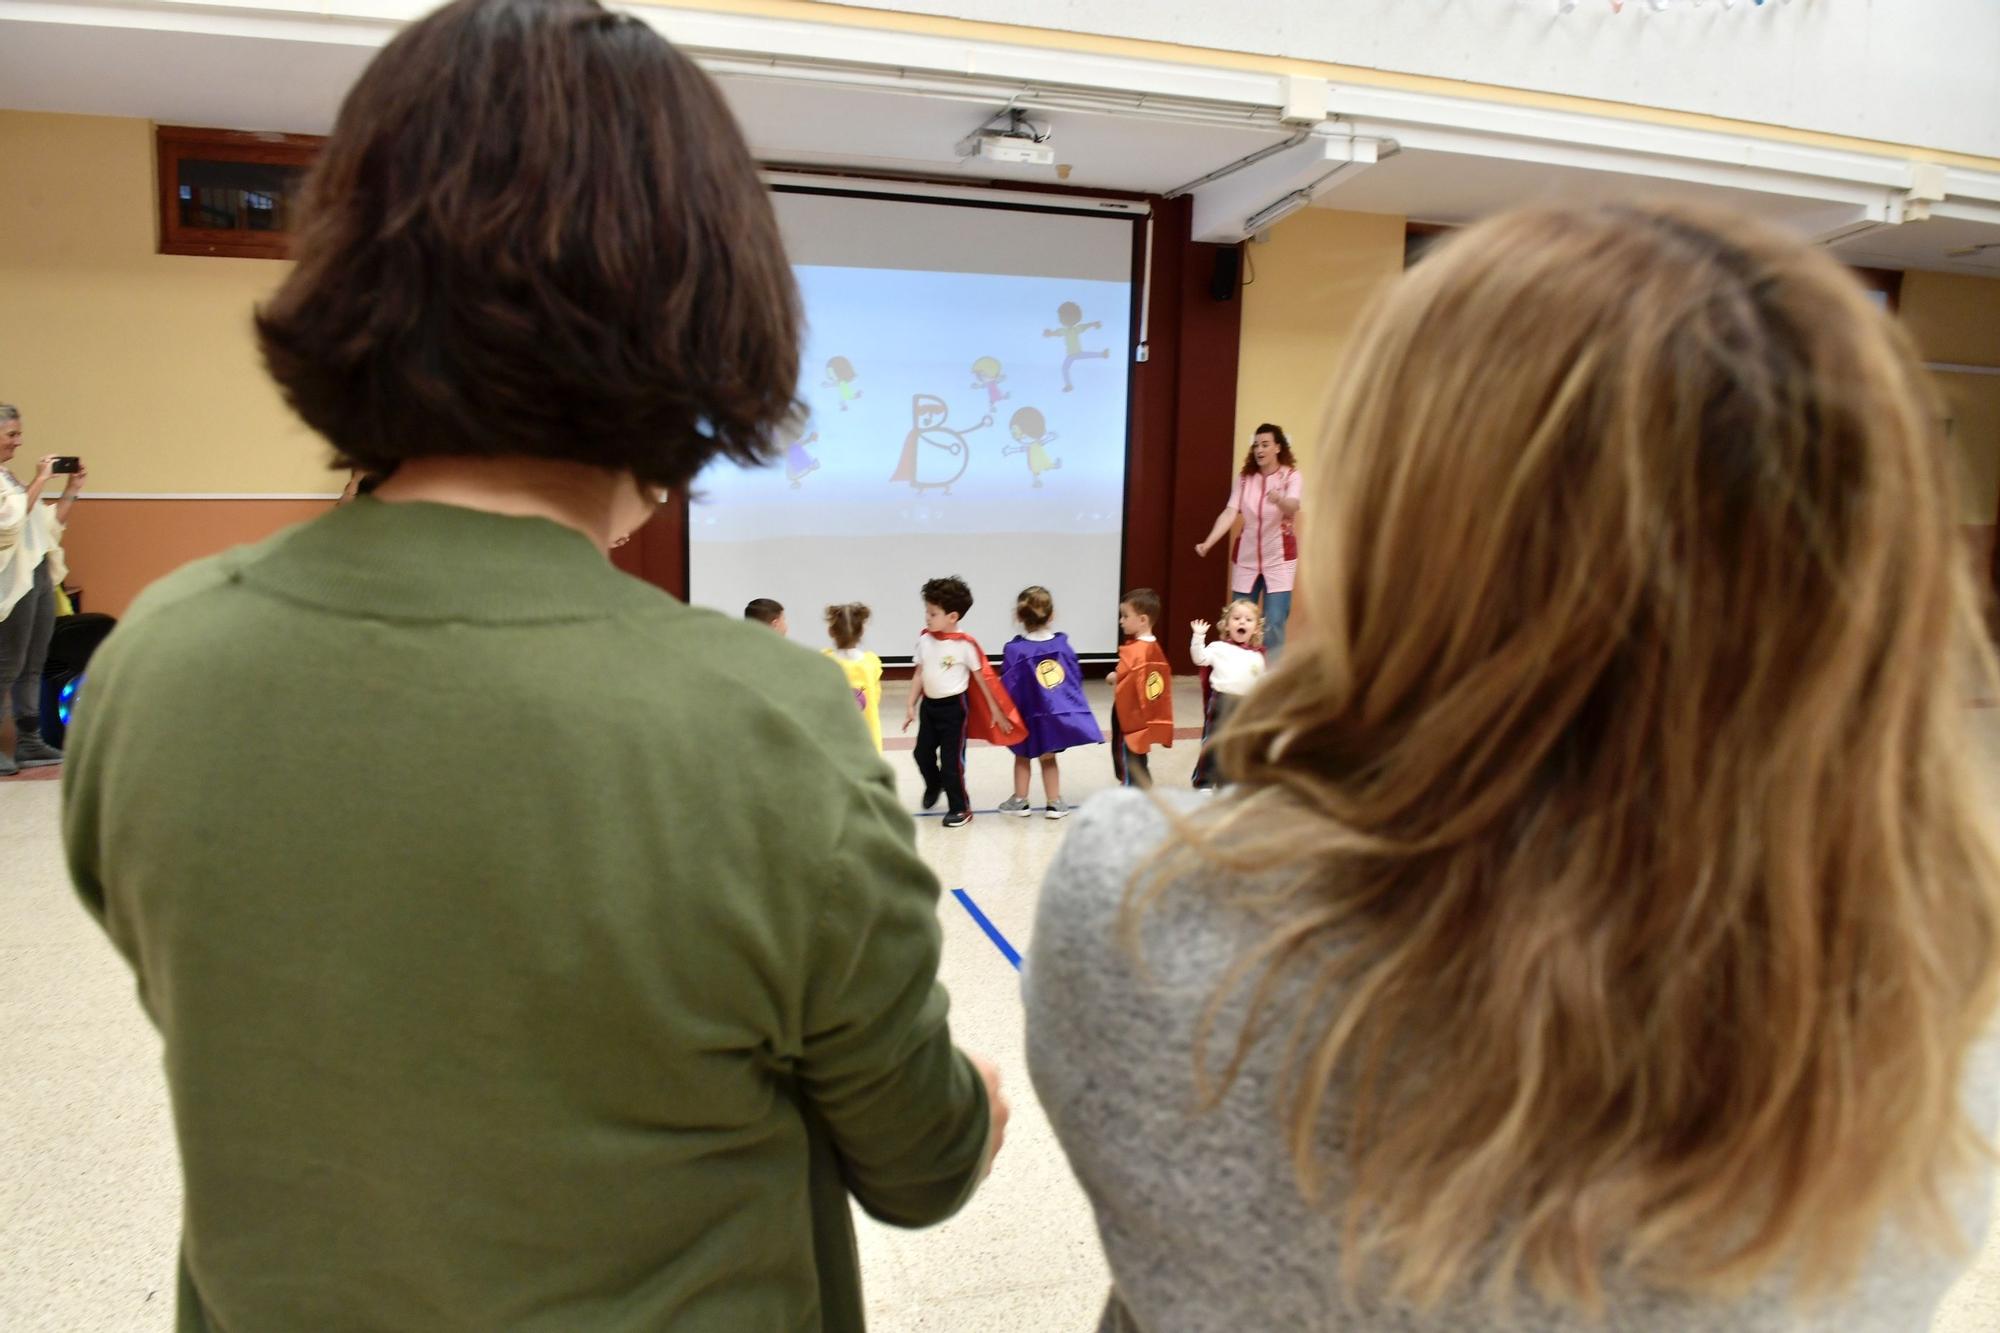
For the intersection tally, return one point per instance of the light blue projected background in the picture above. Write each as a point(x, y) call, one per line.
point(941, 439)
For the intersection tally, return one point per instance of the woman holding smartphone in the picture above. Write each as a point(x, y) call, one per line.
point(30, 558)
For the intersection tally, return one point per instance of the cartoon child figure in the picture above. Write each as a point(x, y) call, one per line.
point(840, 375)
point(934, 455)
point(987, 375)
point(1031, 437)
point(799, 462)
point(1071, 332)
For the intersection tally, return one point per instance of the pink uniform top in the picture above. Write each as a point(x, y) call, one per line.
point(1261, 548)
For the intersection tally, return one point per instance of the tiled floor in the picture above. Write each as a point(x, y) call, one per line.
point(89, 1194)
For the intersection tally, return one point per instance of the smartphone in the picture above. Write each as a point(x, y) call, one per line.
point(66, 463)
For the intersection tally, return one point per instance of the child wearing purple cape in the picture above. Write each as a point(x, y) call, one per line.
point(1040, 671)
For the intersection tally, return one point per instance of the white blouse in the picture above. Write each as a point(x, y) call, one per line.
point(25, 540)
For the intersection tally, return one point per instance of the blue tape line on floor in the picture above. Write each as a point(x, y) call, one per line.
point(940, 814)
point(992, 931)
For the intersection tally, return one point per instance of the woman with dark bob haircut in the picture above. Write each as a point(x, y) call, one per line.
point(490, 1000)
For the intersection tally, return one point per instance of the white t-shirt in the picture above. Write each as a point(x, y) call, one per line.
point(1232, 669)
point(947, 666)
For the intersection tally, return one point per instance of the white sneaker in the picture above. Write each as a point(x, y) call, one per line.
point(1059, 810)
point(1015, 805)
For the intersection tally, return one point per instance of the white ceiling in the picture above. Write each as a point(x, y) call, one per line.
point(1927, 245)
point(1459, 187)
point(788, 121)
point(894, 122)
point(177, 78)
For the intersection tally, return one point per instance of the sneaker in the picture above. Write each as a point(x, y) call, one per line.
point(958, 819)
point(932, 794)
point(8, 768)
point(1016, 805)
point(31, 751)
point(1059, 810)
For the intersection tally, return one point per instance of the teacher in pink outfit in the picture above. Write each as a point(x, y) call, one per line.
point(1267, 554)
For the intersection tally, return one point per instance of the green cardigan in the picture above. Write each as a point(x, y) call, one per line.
point(532, 952)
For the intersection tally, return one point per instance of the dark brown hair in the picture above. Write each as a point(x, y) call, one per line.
point(536, 231)
point(1034, 608)
point(948, 594)
point(1277, 433)
point(763, 610)
point(846, 622)
point(1145, 601)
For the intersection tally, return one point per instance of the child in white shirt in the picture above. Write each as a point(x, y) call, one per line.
point(1233, 663)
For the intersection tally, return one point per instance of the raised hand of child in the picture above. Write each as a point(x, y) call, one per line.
point(1200, 628)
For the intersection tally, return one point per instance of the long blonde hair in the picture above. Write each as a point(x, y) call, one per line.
point(1631, 905)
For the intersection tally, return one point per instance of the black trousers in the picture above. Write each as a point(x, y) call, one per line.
point(1220, 706)
point(1131, 768)
point(941, 748)
point(24, 649)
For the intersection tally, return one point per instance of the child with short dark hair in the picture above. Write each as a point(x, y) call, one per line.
point(948, 663)
point(767, 612)
point(1041, 674)
point(1142, 690)
point(863, 669)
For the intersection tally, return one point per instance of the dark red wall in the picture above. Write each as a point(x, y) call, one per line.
point(657, 552)
point(1183, 428)
point(1182, 445)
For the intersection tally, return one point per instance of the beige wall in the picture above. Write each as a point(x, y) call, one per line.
point(145, 363)
point(1955, 320)
point(1953, 317)
point(142, 363)
point(1320, 268)
point(1312, 280)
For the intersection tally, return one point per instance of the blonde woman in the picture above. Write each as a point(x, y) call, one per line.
point(1602, 930)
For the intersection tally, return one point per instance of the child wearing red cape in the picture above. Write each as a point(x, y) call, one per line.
point(949, 665)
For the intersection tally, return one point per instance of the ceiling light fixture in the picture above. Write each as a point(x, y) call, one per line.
point(1278, 212)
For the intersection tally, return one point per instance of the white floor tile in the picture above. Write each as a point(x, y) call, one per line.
point(89, 1188)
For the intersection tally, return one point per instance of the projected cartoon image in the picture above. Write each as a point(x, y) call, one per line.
point(1072, 329)
point(1031, 437)
point(799, 462)
point(987, 375)
point(934, 454)
point(958, 375)
point(840, 375)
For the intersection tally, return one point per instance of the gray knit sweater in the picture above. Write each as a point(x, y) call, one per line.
point(1200, 1217)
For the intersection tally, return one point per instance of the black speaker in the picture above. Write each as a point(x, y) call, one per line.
point(75, 638)
point(1228, 270)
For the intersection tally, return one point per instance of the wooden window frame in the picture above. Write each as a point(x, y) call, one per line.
point(174, 143)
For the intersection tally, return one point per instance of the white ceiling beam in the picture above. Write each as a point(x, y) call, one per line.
point(1244, 202)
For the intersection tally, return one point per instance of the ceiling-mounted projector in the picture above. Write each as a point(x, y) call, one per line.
point(1011, 137)
point(1007, 148)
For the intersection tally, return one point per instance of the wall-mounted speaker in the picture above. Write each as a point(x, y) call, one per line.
point(1227, 273)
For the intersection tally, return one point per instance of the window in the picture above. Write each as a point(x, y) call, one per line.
point(228, 192)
